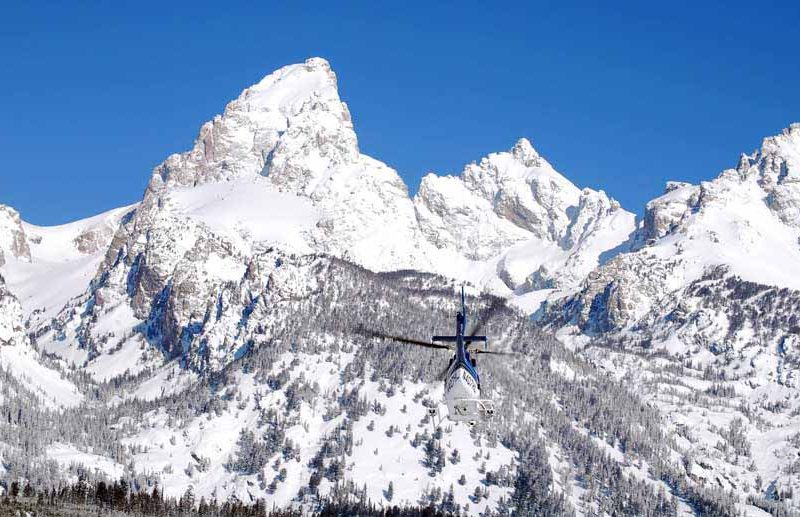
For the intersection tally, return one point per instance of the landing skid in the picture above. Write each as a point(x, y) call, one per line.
point(470, 411)
point(435, 417)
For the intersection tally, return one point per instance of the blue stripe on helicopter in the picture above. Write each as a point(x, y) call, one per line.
point(470, 370)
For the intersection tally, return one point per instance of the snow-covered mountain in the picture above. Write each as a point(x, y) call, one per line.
point(293, 129)
point(281, 168)
point(705, 306)
point(209, 333)
point(746, 219)
point(514, 213)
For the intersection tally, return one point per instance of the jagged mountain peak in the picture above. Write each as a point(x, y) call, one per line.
point(293, 129)
point(521, 163)
point(290, 87)
point(785, 144)
point(710, 288)
point(293, 114)
point(524, 152)
point(280, 167)
point(514, 207)
point(767, 178)
point(777, 162)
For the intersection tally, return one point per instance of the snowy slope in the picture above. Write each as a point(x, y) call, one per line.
point(25, 364)
point(247, 212)
point(701, 316)
point(60, 261)
point(170, 452)
point(312, 408)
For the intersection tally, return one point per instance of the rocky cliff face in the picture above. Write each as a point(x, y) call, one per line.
point(12, 329)
point(13, 242)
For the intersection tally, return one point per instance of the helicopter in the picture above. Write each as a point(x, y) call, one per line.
point(463, 394)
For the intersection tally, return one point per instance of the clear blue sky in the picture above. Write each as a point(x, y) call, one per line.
point(93, 96)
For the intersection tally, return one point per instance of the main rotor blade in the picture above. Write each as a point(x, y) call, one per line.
point(441, 375)
point(407, 340)
point(484, 317)
point(493, 352)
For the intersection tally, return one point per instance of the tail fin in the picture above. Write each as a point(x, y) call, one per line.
point(463, 304)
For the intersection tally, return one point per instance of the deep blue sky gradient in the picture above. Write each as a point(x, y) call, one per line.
point(623, 98)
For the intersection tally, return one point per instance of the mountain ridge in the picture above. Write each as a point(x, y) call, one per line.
point(292, 129)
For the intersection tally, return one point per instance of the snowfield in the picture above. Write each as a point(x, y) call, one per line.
point(249, 211)
point(173, 453)
point(63, 260)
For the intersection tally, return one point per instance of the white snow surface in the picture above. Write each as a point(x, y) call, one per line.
point(48, 385)
point(58, 270)
point(247, 211)
point(377, 458)
point(25, 364)
point(67, 455)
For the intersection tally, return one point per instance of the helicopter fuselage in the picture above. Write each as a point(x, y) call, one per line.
point(462, 381)
point(462, 384)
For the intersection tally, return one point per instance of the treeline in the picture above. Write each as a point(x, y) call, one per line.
point(101, 498)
